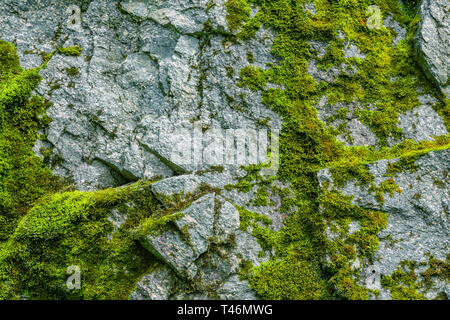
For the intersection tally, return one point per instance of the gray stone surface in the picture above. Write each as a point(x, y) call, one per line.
point(205, 247)
point(418, 221)
point(166, 189)
point(181, 248)
point(236, 289)
point(171, 248)
point(198, 222)
point(140, 84)
point(154, 286)
point(433, 42)
point(422, 123)
point(228, 221)
point(149, 72)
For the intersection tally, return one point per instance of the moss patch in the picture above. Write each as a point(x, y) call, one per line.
point(70, 51)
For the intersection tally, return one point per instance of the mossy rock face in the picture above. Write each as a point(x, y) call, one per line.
point(432, 30)
point(409, 189)
point(9, 59)
point(363, 149)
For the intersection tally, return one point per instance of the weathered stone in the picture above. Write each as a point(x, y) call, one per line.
point(149, 70)
point(180, 248)
point(433, 42)
point(136, 85)
point(166, 189)
point(197, 223)
point(172, 249)
point(418, 221)
point(236, 289)
point(422, 123)
point(154, 286)
point(228, 221)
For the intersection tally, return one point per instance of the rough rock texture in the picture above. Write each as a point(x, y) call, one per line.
point(422, 123)
point(433, 41)
point(154, 286)
point(152, 74)
point(205, 246)
point(418, 215)
point(139, 86)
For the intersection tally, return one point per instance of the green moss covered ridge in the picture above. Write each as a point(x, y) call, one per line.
point(45, 227)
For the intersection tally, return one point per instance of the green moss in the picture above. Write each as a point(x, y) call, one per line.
point(42, 232)
point(347, 171)
point(9, 60)
point(437, 269)
point(345, 248)
point(238, 12)
point(250, 57)
point(16, 92)
point(72, 71)
point(406, 283)
point(261, 197)
point(248, 218)
point(70, 51)
point(403, 283)
point(73, 229)
point(290, 279)
point(388, 186)
point(157, 225)
point(230, 72)
point(253, 78)
point(23, 177)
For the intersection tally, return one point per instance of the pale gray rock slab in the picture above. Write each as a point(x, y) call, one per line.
point(432, 41)
point(174, 251)
point(154, 286)
point(213, 270)
point(198, 222)
point(181, 248)
point(219, 180)
point(228, 221)
point(178, 185)
point(146, 78)
point(248, 248)
point(236, 289)
point(422, 123)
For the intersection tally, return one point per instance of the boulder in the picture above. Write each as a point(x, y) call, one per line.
point(433, 42)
